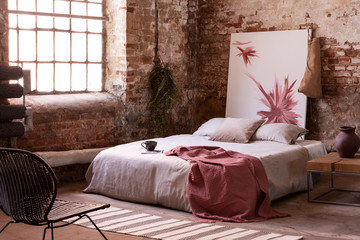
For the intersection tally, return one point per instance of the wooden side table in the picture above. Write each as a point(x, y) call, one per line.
point(332, 164)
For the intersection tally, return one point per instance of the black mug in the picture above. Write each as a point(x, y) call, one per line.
point(149, 145)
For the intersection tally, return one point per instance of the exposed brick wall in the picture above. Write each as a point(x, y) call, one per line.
point(4, 43)
point(88, 121)
point(335, 22)
point(4, 56)
point(176, 26)
point(194, 37)
point(129, 50)
point(340, 78)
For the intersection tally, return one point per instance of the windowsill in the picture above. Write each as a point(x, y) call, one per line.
point(65, 100)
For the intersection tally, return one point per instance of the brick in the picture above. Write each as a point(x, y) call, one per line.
point(344, 60)
point(355, 60)
point(352, 53)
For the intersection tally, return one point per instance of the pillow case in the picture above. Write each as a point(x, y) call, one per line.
point(236, 130)
point(209, 127)
point(279, 132)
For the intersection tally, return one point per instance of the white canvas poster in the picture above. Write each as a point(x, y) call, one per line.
point(265, 71)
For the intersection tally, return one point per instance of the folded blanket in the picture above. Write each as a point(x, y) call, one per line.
point(226, 185)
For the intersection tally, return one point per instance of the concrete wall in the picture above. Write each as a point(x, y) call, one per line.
point(194, 39)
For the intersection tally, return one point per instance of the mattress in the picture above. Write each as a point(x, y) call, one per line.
point(125, 172)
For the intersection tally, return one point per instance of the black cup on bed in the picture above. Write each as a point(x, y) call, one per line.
point(149, 145)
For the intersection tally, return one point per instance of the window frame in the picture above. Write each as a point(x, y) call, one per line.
point(54, 30)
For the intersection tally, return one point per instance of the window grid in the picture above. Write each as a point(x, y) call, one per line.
point(55, 30)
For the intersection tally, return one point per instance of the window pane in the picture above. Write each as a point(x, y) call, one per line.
point(45, 6)
point(26, 5)
point(45, 77)
point(94, 74)
point(95, 26)
point(78, 8)
point(13, 45)
point(26, 21)
point(95, 46)
point(12, 4)
point(44, 22)
point(62, 23)
point(57, 48)
point(62, 7)
point(78, 77)
point(32, 68)
point(78, 25)
point(27, 45)
point(45, 46)
point(78, 47)
point(62, 77)
point(62, 46)
point(94, 10)
point(12, 20)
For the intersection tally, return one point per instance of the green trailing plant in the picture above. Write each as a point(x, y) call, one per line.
point(163, 93)
point(163, 89)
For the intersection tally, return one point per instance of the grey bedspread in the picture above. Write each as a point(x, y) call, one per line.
point(123, 172)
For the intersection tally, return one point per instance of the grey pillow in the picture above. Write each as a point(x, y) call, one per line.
point(279, 132)
point(236, 130)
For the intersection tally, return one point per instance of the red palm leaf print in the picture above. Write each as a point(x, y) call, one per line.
point(280, 102)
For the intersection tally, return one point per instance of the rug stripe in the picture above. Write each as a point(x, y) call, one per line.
point(268, 236)
point(161, 228)
point(124, 219)
point(288, 237)
point(136, 221)
point(208, 235)
point(85, 220)
point(152, 226)
point(148, 226)
point(117, 220)
point(105, 215)
point(181, 235)
point(106, 210)
point(238, 235)
point(222, 234)
point(179, 231)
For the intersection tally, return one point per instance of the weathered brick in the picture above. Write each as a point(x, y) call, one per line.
point(194, 38)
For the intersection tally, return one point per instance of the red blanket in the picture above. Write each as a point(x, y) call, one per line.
point(226, 185)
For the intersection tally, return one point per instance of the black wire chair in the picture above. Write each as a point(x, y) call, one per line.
point(28, 193)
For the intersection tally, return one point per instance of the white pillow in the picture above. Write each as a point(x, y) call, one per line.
point(209, 127)
point(279, 132)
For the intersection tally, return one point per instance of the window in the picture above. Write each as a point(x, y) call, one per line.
point(60, 41)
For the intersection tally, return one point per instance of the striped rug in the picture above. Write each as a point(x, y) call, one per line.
point(156, 227)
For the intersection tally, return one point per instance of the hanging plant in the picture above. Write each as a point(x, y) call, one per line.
point(163, 88)
point(163, 92)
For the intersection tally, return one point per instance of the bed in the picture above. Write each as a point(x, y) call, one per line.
point(129, 173)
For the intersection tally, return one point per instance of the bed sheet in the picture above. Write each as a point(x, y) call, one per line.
point(123, 172)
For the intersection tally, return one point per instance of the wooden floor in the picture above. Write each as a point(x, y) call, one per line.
point(314, 221)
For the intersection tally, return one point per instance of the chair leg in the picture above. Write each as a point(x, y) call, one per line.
point(52, 231)
point(49, 225)
point(45, 231)
point(6, 226)
point(96, 226)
